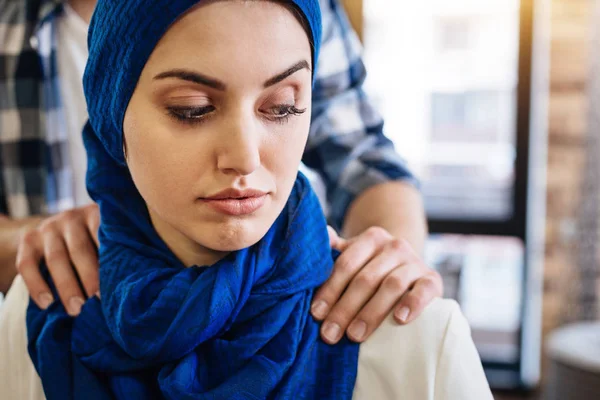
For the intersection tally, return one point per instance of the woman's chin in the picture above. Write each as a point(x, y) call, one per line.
point(233, 238)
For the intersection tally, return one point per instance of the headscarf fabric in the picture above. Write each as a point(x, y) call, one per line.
point(239, 329)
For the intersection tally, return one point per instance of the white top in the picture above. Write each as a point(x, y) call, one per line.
point(72, 55)
point(432, 358)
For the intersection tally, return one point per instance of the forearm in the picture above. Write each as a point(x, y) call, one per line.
point(10, 233)
point(394, 206)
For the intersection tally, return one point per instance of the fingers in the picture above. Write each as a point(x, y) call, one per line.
point(392, 289)
point(67, 242)
point(333, 237)
point(93, 222)
point(29, 255)
point(414, 302)
point(83, 256)
point(357, 253)
point(359, 292)
point(375, 275)
point(335, 241)
point(63, 275)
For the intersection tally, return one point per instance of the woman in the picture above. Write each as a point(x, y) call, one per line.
point(211, 244)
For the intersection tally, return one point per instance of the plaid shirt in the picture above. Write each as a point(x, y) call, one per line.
point(346, 145)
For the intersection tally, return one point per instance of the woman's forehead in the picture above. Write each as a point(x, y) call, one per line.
point(224, 37)
point(233, 21)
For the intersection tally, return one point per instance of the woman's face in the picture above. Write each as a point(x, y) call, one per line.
point(217, 125)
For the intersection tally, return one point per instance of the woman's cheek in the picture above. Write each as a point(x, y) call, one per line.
point(159, 171)
point(280, 158)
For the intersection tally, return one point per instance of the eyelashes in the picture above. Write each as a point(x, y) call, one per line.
point(190, 115)
point(284, 112)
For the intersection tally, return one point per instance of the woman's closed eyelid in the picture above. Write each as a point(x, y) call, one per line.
point(188, 101)
point(180, 94)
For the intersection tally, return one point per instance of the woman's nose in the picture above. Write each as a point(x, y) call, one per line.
point(240, 151)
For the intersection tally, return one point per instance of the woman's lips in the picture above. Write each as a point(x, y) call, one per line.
point(237, 206)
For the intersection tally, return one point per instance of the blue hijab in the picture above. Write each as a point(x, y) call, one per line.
point(239, 329)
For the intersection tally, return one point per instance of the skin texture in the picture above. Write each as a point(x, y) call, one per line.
point(239, 135)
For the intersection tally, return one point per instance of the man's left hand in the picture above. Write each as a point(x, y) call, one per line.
point(375, 274)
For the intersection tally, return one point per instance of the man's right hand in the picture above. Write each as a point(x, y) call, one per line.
point(68, 243)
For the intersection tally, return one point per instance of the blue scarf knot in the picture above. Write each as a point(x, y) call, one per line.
point(240, 329)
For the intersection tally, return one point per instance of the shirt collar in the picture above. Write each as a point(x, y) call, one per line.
point(46, 13)
point(49, 9)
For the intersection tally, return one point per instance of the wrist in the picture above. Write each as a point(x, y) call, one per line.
point(394, 206)
point(13, 229)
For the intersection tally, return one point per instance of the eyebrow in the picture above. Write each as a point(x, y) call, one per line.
point(192, 76)
point(290, 71)
point(196, 77)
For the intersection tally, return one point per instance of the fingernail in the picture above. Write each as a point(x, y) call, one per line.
point(357, 330)
point(319, 309)
point(45, 299)
point(75, 305)
point(402, 314)
point(331, 331)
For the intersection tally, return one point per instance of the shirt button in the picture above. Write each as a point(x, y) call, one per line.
point(33, 41)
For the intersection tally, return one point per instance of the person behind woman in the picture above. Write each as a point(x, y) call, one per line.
point(211, 242)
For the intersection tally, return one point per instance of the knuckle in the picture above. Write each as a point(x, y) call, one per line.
point(396, 246)
point(394, 283)
point(344, 266)
point(375, 232)
point(56, 223)
point(48, 226)
point(367, 280)
point(54, 257)
point(429, 280)
point(29, 238)
point(69, 217)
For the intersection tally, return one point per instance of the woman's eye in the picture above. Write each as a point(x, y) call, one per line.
point(283, 112)
point(190, 114)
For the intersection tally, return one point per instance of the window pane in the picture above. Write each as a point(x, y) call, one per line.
point(445, 77)
point(485, 275)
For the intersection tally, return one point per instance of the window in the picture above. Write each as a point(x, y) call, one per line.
point(445, 77)
point(452, 80)
point(469, 172)
point(453, 34)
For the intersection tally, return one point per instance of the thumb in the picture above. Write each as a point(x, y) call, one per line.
point(93, 223)
point(335, 240)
